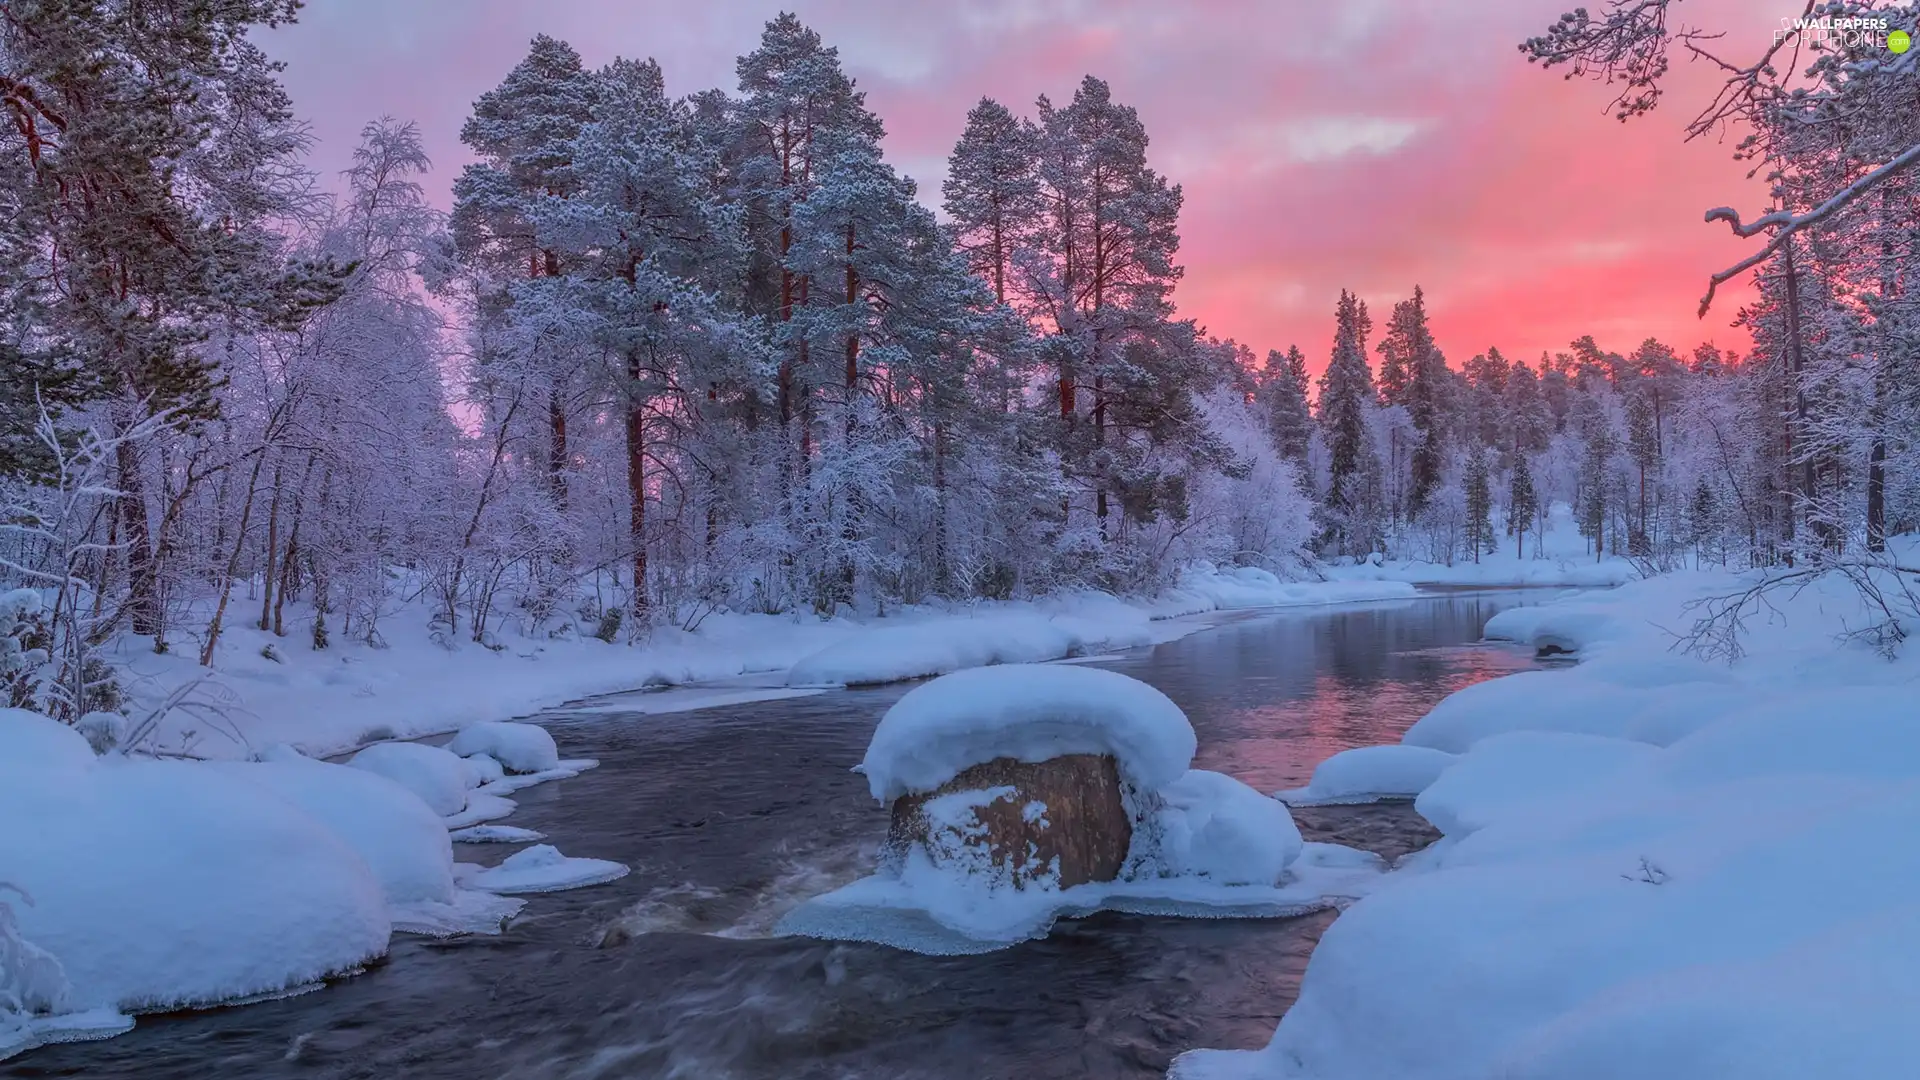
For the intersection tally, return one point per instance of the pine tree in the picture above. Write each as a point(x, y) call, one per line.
point(1100, 268)
point(1523, 504)
point(523, 132)
point(991, 193)
point(1479, 503)
point(1409, 344)
point(1346, 390)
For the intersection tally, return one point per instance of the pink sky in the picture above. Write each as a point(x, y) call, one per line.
point(1362, 144)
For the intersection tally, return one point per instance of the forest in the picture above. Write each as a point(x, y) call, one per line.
point(674, 356)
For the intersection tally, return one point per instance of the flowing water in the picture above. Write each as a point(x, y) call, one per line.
point(730, 815)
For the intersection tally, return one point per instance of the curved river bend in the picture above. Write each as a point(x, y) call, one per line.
point(730, 815)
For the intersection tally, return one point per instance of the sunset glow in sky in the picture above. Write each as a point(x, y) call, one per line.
point(1366, 144)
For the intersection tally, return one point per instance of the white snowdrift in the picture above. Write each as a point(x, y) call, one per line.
point(163, 884)
point(1204, 587)
point(1370, 774)
point(401, 840)
point(1711, 877)
point(438, 776)
point(519, 748)
point(540, 869)
point(885, 654)
point(1214, 827)
point(1029, 713)
point(1515, 772)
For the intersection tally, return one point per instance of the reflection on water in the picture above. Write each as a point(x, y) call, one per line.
point(731, 815)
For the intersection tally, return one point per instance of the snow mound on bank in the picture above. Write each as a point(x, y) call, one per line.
point(438, 776)
point(1563, 701)
point(883, 654)
point(401, 840)
point(519, 748)
point(1029, 713)
point(1215, 827)
point(540, 869)
point(1511, 773)
point(162, 884)
point(1370, 774)
point(29, 740)
point(1249, 587)
point(1728, 893)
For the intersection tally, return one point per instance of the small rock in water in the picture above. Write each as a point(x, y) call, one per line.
point(1063, 820)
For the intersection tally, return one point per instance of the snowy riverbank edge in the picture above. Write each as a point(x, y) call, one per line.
point(1652, 865)
point(330, 702)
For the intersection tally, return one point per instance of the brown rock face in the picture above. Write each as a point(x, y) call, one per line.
point(1084, 825)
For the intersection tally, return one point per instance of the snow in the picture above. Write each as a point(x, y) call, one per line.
point(31, 740)
point(413, 682)
point(1527, 701)
point(1215, 827)
point(1370, 774)
point(486, 770)
point(162, 884)
point(399, 837)
point(1521, 769)
point(496, 834)
point(1560, 557)
point(540, 869)
point(1028, 712)
point(481, 807)
point(519, 748)
point(928, 910)
point(438, 776)
point(887, 654)
point(1653, 866)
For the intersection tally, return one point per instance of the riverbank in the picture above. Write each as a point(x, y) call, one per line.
point(1653, 863)
point(409, 682)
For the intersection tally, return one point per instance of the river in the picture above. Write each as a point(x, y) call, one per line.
point(730, 815)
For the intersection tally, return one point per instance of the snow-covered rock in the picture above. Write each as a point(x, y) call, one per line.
point(496, 834)
point(1370, 774)
point(1054, 823)
point(539, 869)
point(519, 748)
point(1026, 713)
point(438, 776)
point(1212, 826)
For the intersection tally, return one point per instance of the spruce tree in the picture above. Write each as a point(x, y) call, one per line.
point(1346, 390)
point(1284, 385)
point(1479, 503)
point(1523, 505)
point(1409, 344)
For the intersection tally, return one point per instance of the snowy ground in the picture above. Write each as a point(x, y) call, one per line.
point(328, 702)
point(1561, 557)
point(1653, 865)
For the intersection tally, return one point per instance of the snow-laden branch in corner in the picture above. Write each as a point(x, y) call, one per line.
point(1785, 223)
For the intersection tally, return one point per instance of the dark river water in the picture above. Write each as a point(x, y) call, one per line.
point(730, 815)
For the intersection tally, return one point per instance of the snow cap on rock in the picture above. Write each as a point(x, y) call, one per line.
point(1027, 712)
